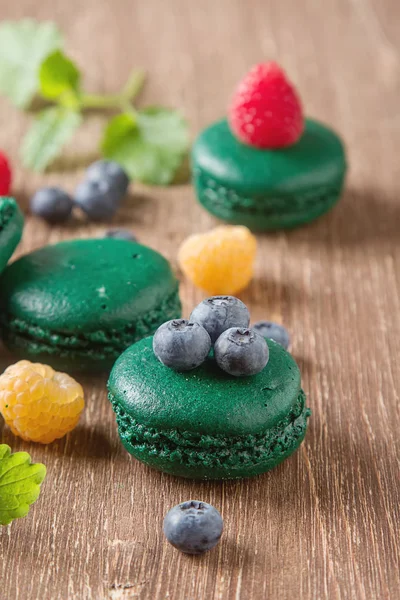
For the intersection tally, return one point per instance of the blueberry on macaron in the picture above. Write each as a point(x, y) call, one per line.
point(220, 320)
point(273, 331)
point(193, 527)
point(241, 352)
point(218, 313)
point(181, 345)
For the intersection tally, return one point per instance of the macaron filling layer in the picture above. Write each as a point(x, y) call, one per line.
point(195, 449)
point(99, 343)
point(219, 197)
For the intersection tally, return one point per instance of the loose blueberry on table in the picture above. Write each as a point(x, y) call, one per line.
point(181, 345)
point(52, 204)
point(193, 527)
point(273, 331)
point(108, 170)
point(98, 199)
point(218, 313)
point(100, 193)
point(121, 234)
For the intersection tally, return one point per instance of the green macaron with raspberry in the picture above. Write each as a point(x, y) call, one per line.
point(266, 166)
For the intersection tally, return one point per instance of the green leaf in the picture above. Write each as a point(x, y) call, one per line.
point(19, 484)
point(23, 46)
point(150, 145)
point(50, 131)
point(58, 76)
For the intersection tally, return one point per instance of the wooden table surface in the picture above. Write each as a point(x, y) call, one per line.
point(323, 525)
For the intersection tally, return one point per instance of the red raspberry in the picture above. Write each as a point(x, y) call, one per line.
point(266, 111)
point(5, 175)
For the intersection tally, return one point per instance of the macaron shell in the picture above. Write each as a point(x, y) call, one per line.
point(268, 189)
point(11, 225)
point(205, 400)
point(86, 285)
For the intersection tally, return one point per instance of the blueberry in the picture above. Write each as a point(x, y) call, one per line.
point(98, 199)
point(110, 171)
point(52, 204)
point(219, 313)
point(181, 345)
point(273, 331)
point(121, 234)
point(193, 527)
point(240, 352)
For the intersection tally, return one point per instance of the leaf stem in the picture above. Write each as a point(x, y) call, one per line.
point(101, 101)
point(134, 85)
point(128, 108)
point(118, 101)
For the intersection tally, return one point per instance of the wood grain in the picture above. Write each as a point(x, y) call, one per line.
point(324, 525)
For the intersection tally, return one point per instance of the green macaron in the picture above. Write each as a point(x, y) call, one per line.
point(79, 304)
point(11, 224)
point(203, 423)
point(268, 189)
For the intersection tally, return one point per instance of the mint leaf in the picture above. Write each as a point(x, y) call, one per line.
point(58, 76)
point(23, 46)
point(149, 146)
point(19, 484)
point(52, 128)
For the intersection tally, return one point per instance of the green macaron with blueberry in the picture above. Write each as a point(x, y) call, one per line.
point(209, 399)
point(266, 166)
point(11, 225)
point(79, 304)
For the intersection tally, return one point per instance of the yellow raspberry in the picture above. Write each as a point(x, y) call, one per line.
point(220, 261)
point(38, 403)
